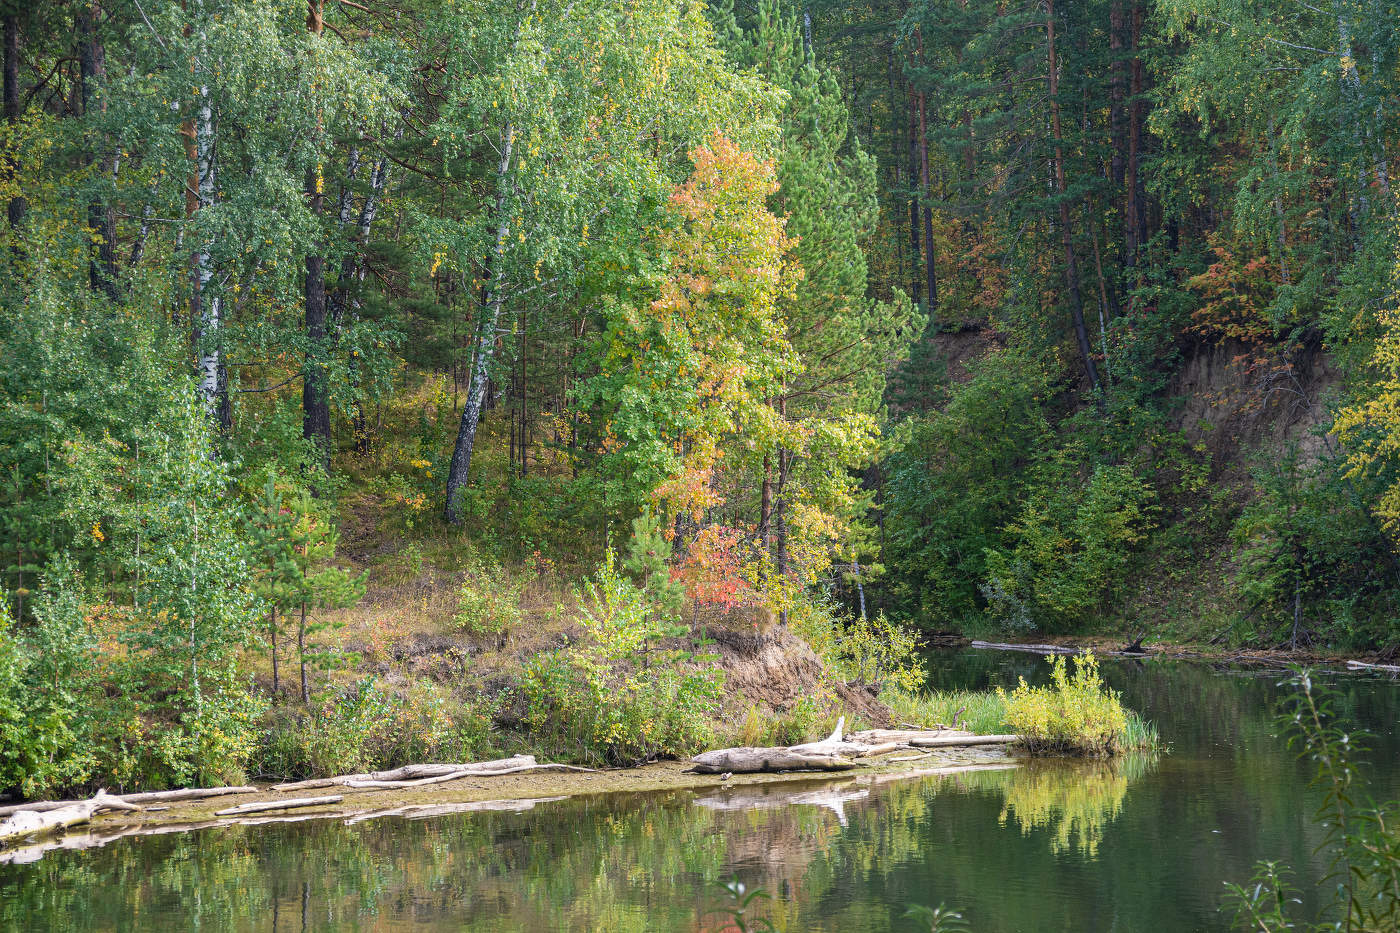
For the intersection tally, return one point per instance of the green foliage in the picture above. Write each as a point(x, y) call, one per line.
point(1359, 838)
point(368, 728)
point(1074, 713)
point(981, 712)
point(957, 483)
point(39, 705)
point(873, 650)
point(1313, 564)
point(623, 695)
point(938, 919)
point(1072, 550)
point(488, 602)
point(648, 560)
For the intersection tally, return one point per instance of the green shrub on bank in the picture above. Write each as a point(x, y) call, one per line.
point(871, 650)
point(623, 695)
point(1075, 713)
point(488, 602)
point(1073, 549)
point(367, 728)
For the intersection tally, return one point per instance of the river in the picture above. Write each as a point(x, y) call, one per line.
point(1139, 844)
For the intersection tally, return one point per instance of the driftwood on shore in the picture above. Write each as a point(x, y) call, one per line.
point(155, 796)
point(420, 775)
point(25, 823)
point(1363, 666)
point(295, 803)
point(836, 752)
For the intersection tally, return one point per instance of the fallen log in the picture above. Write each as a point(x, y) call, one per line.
point(1035, 649)
point(746, 760)
point(458, 775)
point(834, 744)
point(1363, 666)
point(262, 805)
point(400, 777)
point(27, 823)
point(903, 736)
point(190, 793)
point(958, 741)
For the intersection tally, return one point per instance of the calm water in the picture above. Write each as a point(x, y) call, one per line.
point(1134, 846)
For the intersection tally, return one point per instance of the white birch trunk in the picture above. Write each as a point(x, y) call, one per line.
point(209, 302)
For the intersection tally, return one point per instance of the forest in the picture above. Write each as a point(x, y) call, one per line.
point(394, 379)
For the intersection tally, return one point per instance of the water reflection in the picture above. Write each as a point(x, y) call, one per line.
point(1135, 845)
point(1072, 801)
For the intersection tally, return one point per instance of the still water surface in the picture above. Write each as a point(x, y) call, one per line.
point(1136, 845)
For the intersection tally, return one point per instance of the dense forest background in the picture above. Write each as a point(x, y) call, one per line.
point(985, 316)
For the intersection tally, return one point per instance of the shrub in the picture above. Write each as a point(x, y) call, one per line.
point(621, 697)
point(366, 728)
point(488, 601)
point(872, 650)
point(39, 747)
point(1075, 713)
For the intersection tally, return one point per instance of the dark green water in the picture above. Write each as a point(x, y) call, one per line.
point(1069, 846)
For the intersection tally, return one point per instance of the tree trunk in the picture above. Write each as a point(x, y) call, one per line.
point(1134, 214)
point(301, 656)
point(272, 625)
point(1116, 88)
point(352, 276)
point(17, 205)
point(92, 69)
point(460, 469)
point(1071, 266)
point(915, 251)
point(206, 305)
point(930, 268)
point(524, 410)
point(315, 402)
point(765, 507)
point(315, 388)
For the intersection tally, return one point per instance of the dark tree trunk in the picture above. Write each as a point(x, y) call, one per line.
point(276, 678)
point(17, 205)
point(315, 381)
point(1116, 88)
point(1076, 297)
point(916, 252)
point(316, 411)
point(1135, 214)
point(765, 507)
point(92, 69)
point(930, 269)
point(301, 656)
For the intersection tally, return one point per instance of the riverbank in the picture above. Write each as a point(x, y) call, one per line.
point(512, 792)
point(1118, 646)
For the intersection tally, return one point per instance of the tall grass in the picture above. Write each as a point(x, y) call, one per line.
point(981, 712)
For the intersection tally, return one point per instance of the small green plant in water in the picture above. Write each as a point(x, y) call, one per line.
point(738, 908)
point(1075, 713)
point(938, 919)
